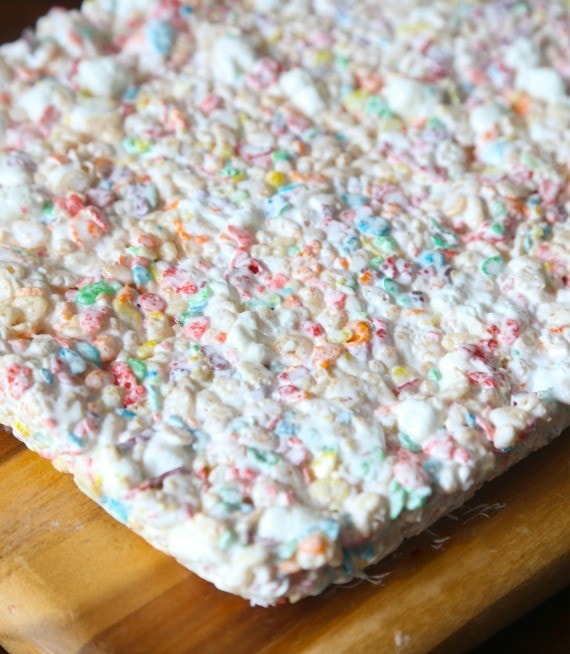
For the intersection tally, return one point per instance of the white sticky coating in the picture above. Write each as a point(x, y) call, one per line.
point(300, 89)
point(522, 53)
point(485, 117)
point(417, 419)
point(232, 56)
point(541, 83)
point(104, 77)
point(509, 423)
point(46, 93)
point(409, 98)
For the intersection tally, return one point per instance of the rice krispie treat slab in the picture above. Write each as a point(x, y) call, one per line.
point(281, 285)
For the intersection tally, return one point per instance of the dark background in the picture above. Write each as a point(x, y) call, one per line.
point(546, 630)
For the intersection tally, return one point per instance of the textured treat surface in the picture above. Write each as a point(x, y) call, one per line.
point(282, 282)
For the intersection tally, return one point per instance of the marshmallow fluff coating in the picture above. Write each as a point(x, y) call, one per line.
point(282, 283)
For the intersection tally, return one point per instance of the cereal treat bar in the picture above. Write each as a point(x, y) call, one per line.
point(282, 282)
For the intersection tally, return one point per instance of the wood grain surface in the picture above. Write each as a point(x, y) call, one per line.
point(74, 580)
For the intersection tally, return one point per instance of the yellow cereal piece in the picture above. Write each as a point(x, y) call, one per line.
point(275, 179)
point(146, 350)
point(274, 35)
point(143, 101)
point(323, 58)
point(126, 312)
point(324, 464)
point(331, 492)
point(412, 29)
point(401, 168)
point(370, 244)
point(451, 341)
point(355, 101)
point(389, 124)
point(154, 271)
point(340, 336)
point(402, 374)
point(22, 429)
point(146, 252)
point(223, 150)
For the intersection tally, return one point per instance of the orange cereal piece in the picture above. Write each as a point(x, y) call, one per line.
point(360, 333)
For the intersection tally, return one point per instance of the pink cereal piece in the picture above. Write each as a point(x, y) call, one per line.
point(321, 39)
point(19, 379)
point(59, 369)
point(313, 329)
point(150, 302)
point(92, 320)
point(549, 191)
point(410, 473)
point(511, 332)
point(74, 203)
point(486, 427)
point(440, 447)
point(243, 238)
point(85, 427)
point(140, 261)
point(290, 394)
point(125, 378)
point(196, 328)
point(180, 281)
point(278, 281)
point(336, 299)
point(481, 379)
point(461, 455)
point(265, 72)
point(210, 103)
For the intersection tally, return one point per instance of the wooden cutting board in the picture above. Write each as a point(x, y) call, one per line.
point(74, 580)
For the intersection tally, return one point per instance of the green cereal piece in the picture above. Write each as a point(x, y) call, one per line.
point(376, 262)
point(397, 497)
point(493, 266)
point(264, 457)
point(138, 367)
point(88, 294)
point(280, 155)
point(227, 539)
point(417, 497)
point(391, 286)
point(406, 441)
point(386, 243)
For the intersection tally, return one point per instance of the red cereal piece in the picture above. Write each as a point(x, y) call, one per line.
point(19, 379)
point(125, 378)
